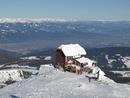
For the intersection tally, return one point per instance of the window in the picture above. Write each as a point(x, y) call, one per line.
point(94, 64)
point(69, 58)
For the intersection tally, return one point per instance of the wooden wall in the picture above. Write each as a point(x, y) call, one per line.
point(60, 58)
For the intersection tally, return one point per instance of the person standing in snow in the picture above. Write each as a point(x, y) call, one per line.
point(89, 79)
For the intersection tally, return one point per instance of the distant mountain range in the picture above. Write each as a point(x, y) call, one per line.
point(29, 20)
point(28, 34)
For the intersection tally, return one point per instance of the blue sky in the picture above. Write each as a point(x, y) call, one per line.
point(66, 9)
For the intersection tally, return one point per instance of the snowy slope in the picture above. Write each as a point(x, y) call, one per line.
point(52, 83)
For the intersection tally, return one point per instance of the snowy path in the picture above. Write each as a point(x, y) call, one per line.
point(51, 83)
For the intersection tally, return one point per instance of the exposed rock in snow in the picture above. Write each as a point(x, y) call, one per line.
point(10, 75)
point(126, 61)
point(52, 83)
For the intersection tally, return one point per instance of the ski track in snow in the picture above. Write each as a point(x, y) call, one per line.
point(52, 83)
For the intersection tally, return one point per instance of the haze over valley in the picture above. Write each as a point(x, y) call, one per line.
point(24, 35)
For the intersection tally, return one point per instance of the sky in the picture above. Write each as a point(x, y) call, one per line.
point(66, 9)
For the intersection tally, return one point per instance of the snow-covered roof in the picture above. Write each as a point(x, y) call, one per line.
point(85, 60)
point(74, 50)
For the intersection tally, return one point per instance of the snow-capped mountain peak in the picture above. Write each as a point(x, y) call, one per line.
point(30, 20)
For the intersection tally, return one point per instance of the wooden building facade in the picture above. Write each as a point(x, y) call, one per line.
point(66, 56)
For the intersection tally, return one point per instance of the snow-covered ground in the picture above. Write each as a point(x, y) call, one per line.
point(15, 73)
point(30, 58)
point(123, 73)
point(48, 58)
point(10, 75)
point(37, 58)
point(52, 83)
point(125, 60)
